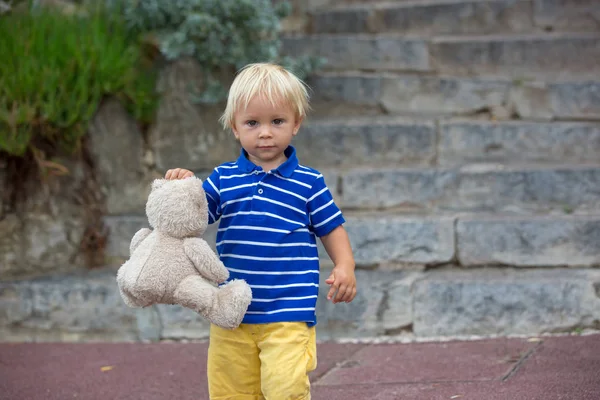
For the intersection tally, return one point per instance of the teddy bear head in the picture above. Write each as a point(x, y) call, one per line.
point(178, 207)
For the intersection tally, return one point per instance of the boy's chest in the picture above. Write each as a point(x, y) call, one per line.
point(262, 194)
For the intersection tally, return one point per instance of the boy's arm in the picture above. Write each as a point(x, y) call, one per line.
point(342, 278)
point(211, 187)
point(326, 221)
point(138, 238)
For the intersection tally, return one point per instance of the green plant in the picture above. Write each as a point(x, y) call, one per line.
point(219, 34)
point(56, 69)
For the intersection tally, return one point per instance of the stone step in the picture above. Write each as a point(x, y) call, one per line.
point(380, 141)
point(528, 56)
point(529, 241)
point(355, 93)
point(87, 307)
point(397, 241)
point(517, 56)
point(458, 17)
point(364, 52)
point(427, 18)
point(468, 141)
point(500, 302)
point(366, 141)
point(474, 188)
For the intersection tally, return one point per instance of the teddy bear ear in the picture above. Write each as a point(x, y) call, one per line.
point(157, 183)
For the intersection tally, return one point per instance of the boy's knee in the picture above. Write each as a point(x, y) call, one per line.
point(286, 389)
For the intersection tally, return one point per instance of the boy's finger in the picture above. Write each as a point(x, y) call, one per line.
point(172, 173)
point(350, 293)
point(184, 174)
point(332, 291)
point(330, 280)
point(341, 293)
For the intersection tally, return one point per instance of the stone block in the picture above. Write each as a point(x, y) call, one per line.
point(575, 100)
point(179, 323)
point(547, 55)
point(396, 188)
point(76, 307)
point(502, 302)
point(344, 20)
point(440, 95)
point(332, 180)
point(518, 142)
point(38, 244)
point(88, 307)
point(186, 134)
point(383, 305)
point(530, 100)
point(567, 15)
point(428, 18)
point(348, 89)
point(359, 52)
point(564, 190)
point(460, 18)
point(120, 232)
point(125, 180)
point(398, 242)
point(486, 188)
point(372, 141)
point(554, 241)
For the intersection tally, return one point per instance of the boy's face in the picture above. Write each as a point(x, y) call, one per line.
point(265, 131)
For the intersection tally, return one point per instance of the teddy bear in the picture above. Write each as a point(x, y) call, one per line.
point(173, 264)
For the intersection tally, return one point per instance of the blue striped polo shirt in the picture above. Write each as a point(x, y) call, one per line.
point(269, 221)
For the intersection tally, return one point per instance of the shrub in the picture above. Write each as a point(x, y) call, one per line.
point(219, 34)
point(56, 69)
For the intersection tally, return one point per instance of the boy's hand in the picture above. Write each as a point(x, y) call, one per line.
point(343, 284)
point(178, 173)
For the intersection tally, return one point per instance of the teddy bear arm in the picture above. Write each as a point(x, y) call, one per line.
point(205, 260)
point(138, 238)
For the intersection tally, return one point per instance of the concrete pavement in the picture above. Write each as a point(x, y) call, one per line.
point(547, 368)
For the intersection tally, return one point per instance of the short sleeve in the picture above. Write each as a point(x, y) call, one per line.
point(324, 214)
point(213, 196)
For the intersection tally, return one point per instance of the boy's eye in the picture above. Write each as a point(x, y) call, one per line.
point(278, 121)
point(251, 123)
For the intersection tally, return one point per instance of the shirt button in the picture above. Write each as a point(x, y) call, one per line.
point(260, 191)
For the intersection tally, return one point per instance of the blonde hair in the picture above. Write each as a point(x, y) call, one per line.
point(273, 82)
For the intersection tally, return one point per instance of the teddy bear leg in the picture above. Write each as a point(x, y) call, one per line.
point(231, 303)
point(224, 306)
point(195, 293)
point(129, 299)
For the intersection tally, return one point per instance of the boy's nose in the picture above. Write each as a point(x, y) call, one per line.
point(264, 133)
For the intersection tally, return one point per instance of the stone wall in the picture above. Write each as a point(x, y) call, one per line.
point(469, 186)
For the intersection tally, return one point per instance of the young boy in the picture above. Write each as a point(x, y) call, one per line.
point(271, 210)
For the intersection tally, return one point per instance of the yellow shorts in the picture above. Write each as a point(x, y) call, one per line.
point(261, 361)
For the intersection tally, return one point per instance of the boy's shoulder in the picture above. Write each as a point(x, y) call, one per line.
point(226, 167)
point(308, 171)
point(307, 175)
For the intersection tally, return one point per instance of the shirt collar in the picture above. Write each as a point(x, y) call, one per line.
point(286, 169)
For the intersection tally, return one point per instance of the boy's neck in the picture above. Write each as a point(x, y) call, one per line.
point(268, 166)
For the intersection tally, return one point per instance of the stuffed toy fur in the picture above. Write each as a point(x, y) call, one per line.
point(172, 264)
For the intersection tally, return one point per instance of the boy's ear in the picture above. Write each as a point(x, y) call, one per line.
point(297, 126)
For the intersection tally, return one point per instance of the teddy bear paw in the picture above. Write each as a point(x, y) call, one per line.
point(233, 300)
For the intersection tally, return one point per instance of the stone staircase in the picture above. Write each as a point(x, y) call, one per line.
point(462, 140)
